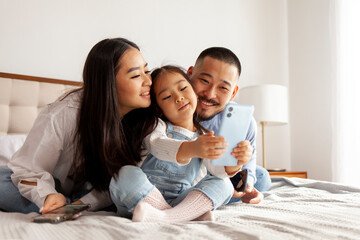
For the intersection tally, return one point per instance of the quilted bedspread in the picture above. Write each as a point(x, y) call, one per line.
point(292, 209)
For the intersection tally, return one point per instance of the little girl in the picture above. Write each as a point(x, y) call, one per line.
point(166, 193)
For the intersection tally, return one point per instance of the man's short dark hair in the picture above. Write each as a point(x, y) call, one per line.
point(221, 54)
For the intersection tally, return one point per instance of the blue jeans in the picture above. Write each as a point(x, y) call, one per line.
point(10, 198)
point(132, 186)
point(262, 184)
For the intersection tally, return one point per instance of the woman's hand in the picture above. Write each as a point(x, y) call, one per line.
point(52, 201)
point(77, 202)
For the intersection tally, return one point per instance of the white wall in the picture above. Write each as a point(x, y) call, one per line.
point(310, 87)
point(52, 39)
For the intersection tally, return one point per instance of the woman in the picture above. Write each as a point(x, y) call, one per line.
point(75, 144)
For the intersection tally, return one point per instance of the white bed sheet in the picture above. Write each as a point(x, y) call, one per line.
point(293, 208)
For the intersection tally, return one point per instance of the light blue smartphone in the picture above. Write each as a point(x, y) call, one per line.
point(234, 126)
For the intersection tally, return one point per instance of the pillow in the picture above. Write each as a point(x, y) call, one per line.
point(9, 144)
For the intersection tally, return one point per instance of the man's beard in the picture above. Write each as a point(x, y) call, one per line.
point(205, 118)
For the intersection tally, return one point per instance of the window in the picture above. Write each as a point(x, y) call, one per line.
point(346, 154)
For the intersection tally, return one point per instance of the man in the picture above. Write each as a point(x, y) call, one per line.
point(214, 78)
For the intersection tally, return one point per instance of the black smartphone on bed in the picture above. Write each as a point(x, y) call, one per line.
point(66, 212)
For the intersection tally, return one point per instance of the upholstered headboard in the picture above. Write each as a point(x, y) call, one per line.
point(22, 97)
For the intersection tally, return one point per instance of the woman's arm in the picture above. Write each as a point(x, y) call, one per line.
point(37, 158)
point(97, 200)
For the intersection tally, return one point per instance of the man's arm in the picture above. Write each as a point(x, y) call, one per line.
point(251, 164)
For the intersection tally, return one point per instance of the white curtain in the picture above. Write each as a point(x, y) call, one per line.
point(346, 102)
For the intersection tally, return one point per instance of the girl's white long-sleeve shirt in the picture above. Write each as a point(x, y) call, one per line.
point(165, 148)
point(48, 153)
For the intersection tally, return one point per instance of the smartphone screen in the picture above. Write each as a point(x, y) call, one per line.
point(60, 214)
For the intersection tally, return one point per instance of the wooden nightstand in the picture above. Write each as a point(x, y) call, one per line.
point(289, 174)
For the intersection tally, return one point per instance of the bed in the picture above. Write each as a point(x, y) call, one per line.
point(293, 208)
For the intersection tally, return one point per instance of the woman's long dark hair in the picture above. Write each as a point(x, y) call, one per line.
point(102, 144)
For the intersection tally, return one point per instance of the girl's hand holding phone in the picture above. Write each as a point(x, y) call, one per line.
point(205, 146)
point(209, 146)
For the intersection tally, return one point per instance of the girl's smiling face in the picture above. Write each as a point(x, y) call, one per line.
point(176, 99)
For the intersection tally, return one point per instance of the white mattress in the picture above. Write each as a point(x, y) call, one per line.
point(293, 209)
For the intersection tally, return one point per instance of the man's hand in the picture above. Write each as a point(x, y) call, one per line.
point(52, 201)
point(250, 195)
point(237, 194)
point(243, 153)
